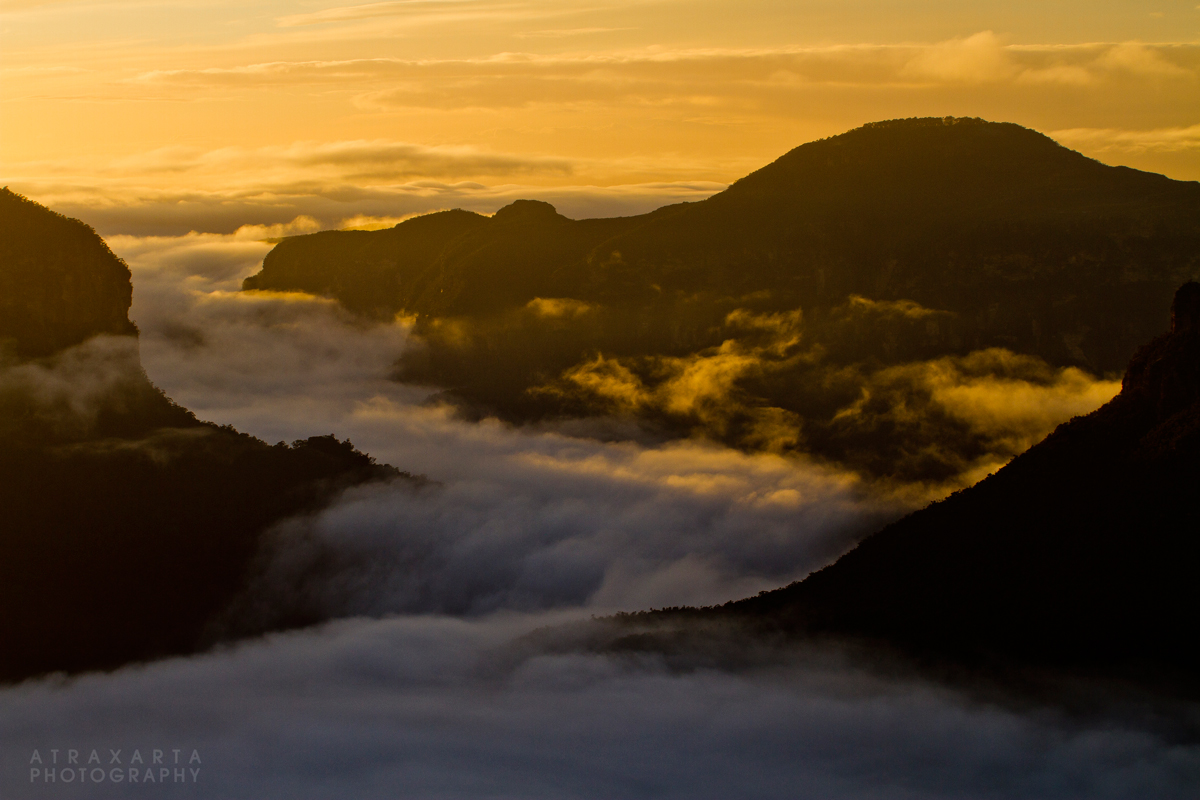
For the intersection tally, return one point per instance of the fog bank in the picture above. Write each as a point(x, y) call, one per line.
point(426, 707)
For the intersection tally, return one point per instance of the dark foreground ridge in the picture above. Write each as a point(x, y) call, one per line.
point(899, 242)
point(1079, 556)
point(127, 524)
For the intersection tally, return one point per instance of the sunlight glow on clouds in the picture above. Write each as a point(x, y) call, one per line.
point(211, 99)
point(544, 516)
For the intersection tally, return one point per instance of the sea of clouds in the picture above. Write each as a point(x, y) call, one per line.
point(427, 707)
point(412, 689)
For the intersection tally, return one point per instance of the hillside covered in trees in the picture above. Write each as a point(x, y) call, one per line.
point(1079, 557)
point(128, 525)
point(782, 313)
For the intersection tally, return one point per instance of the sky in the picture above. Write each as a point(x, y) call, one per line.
point(147, 117)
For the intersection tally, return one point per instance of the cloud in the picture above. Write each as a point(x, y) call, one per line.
point(500, 120)
point(335, 184)
point(1115, 140)
point(558, 307)
point(65, 394)
point(559, 33)
point(534, 518)
point(430, 705)
point(1143, 60)
point(267, 198)
point(435, 707)
point(366, 222)
point(742, 77)
point(921, 426)
point(993, 401)
point(375, 10)
point(564, 524)
point(380, 160)
point(978, 58)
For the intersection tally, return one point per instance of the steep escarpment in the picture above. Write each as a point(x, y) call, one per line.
point(1080, 555)
point(1025, 243)
point(59, 282)
point(128, 525)
point(791, 311)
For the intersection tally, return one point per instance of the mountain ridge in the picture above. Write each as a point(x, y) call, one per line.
point(87, 292)
point(129, 525)
point(890, 246)
point(1078, 556)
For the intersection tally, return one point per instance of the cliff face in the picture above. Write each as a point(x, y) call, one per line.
point(1080, 554)
point(892, 244)
point(1164, 376)
point(59, 283)
point(127, 526)
point(1023, 243)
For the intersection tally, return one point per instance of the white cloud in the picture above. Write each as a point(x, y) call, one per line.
point(532, 518)
point(433, 706)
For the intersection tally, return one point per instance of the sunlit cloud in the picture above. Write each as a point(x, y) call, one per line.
point(1001, 402)
point(559, 33)
point(1115, 140)
point(582, 521)
point(521, 518)
point(655, 72)
point(122, 207)
point(331, 182)
point(372, 10)
point(1143, 60)
point(977, 58)
point(376, 160)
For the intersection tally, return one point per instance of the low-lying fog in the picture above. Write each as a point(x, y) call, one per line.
point(411, 694)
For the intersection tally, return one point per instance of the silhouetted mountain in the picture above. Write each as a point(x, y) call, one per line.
point(127, 524)
point(1080, 555)
point(894, 243)
point(59, 282)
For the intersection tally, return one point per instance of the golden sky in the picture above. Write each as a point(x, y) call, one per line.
point(149, 116)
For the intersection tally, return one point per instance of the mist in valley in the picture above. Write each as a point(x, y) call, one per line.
point(414, 681)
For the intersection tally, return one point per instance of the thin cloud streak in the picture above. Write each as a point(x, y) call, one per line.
point(119, 209)
point(332, 182)
point(981, 58)
point(389, 9)
point(1116, 140)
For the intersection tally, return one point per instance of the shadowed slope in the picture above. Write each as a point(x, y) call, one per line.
point(126, 524)
point(1080, 554)
point(59, 282)
point(1032, 245)
point(767, 317)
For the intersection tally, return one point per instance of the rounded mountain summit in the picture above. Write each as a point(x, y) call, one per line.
point(1029, 245)
point(896, 243)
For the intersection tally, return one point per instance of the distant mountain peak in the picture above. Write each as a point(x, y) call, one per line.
point(929, 122)
point(946, 126)
point(527, 210)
